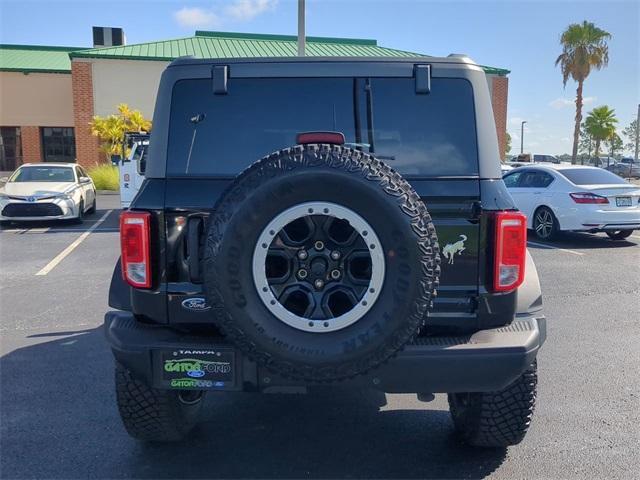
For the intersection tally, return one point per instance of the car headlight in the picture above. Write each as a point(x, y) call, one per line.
point(65, 196)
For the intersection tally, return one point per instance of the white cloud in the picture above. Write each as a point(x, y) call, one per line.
point(562, 102)
point(212, 17)
point(245, 10)
point(194, 17)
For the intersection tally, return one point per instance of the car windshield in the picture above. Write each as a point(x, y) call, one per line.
point(591, 176)
point(43, 174)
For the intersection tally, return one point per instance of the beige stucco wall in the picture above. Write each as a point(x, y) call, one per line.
point(36, 99)
point(134, 82)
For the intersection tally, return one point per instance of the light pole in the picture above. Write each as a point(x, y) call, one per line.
point(635, 157)
point(301, 29)
point(522, 136)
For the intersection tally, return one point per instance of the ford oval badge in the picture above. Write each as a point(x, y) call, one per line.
point(196, 304)
point(195, 373)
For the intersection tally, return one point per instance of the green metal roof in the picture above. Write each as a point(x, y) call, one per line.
point(236, 45)
point(32, 58)
point(35, 58)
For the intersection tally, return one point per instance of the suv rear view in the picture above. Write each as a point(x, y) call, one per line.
point(306, 222)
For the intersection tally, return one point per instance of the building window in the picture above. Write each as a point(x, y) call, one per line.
point(10, 148)
point(58, 144)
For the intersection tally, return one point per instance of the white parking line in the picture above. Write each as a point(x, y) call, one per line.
point(38, 230)
point(635, 236)
point(61, 256)
point(544, 245)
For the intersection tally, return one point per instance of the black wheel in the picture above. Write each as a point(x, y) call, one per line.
point(92, 209)
point(321, 262)
point(80, 218)
point(545, 225)
point(619, 234)
point(496, 419)
point(155, 415)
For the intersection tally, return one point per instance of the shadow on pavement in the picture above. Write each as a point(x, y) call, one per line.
point(587, 241)
point(59, 420)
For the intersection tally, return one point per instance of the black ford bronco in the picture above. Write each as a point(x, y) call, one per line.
point(306, 222)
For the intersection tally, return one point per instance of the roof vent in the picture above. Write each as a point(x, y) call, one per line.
point(108, 37)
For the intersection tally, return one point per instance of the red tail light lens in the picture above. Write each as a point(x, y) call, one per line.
point(511, 250)
point(334, 138)
point(586, 197)
point(134, 243)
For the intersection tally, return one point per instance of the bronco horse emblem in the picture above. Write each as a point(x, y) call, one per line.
point(451, 249)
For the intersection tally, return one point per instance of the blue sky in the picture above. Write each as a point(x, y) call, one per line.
point(521, 36)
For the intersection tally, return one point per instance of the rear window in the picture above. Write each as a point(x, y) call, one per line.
point(591, 176)
point(420, 135)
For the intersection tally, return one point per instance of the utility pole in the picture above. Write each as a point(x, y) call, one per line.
point(301, 33)
point(635, 157)
point(522, 136)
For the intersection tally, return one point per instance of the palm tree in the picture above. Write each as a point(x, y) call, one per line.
point(584, 46)
point(601, 125)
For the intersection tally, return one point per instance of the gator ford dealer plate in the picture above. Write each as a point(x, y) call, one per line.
point(186, 369)
point(623, 201)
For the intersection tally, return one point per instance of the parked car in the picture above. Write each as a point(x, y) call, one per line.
point(625, 170)
point(629, 160)
point(262, 256)
point(504, 168)
point(539, 158)
point(535, 158)
point(47, 191)
point(575, 198)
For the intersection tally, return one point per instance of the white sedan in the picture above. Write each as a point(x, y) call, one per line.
point(574, 198)
point(47, 191)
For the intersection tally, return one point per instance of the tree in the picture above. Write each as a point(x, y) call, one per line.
point(601, 125)
point(630, 133)
point(614, 142)
point(111, 129)
point(585, 145)
point(507, 140)
point(584, 46)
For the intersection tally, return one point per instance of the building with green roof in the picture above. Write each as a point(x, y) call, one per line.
point(50, 94)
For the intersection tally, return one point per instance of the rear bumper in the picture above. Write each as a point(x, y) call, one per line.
point(485, 361)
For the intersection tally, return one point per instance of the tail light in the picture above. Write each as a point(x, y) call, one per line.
point(586, 197)
point(334, 138)
point(511, 250)
point(135, 251)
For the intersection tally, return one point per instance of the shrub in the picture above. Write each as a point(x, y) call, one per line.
point(105, 177)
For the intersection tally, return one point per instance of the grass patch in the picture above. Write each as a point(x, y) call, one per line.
point(105, 177)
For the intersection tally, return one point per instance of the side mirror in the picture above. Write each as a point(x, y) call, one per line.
point(116, 159)
point(85, 180)
point(4, 179)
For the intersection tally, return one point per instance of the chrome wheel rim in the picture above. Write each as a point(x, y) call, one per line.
point(544, 223)
point(318, 267)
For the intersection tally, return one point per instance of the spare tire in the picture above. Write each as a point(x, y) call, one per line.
point(321, 262)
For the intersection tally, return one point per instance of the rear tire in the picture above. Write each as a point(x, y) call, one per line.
point(496, 419)
point(545, 224)
point(619, 234)
point(154, 415)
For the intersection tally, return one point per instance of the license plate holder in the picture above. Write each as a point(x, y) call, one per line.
point(623, 201)
point(195, 369)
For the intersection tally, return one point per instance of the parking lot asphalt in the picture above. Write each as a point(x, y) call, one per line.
point(58, 417)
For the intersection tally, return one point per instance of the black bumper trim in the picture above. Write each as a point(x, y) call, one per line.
point(485, 361)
